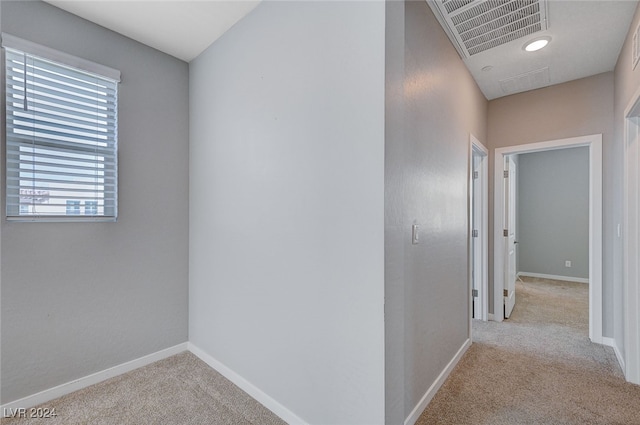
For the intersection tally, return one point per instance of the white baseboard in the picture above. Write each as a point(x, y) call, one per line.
point(94, 378)
point(554, 277)
point(268, 402)
point(612, 343)
point(491, 317)
point(433, 389)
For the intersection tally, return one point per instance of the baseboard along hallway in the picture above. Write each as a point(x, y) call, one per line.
point(537, 367)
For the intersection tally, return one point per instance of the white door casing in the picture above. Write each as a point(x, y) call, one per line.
point(510, 176)
point(479, 223)
point(476, 253)
point(594, 142)
point(631, 249)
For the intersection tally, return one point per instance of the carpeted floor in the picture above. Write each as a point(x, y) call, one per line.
point(180, 390)
point(538, 367)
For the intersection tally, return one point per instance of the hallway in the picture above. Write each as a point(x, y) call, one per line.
point(538, 367)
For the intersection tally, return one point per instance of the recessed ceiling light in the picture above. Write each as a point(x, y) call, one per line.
point(487, 68)
point(536, 44)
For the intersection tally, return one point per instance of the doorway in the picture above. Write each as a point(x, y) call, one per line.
point(502, 237)
point(479, 229)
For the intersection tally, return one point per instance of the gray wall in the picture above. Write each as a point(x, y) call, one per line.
point(394, 231)
point(286, 206)
point(432, 105)
point(78, 298)
point(2, 136)
point(576, 108)
point(627, 82)
point(553, 212)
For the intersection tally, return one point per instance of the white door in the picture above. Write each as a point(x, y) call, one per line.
point(510, 235)
point(476, 225)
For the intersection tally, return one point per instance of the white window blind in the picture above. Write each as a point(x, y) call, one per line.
point(61, 139)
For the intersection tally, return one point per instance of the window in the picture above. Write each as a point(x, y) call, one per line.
point(73, 208)
point(61, 134)
point(90, 207)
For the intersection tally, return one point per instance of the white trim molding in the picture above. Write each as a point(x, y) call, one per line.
point(268, 402)
point(476, 148)
point(26, 46)
point(94, 378)
point(612, 343)
point(554, 277)
point(594, 143)
point(631, 247)
point(433, 389)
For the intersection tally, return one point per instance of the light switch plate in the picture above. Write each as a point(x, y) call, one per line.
point(414, 234)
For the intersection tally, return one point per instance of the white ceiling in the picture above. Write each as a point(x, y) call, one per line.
point(586, 40)
point(586, 35)
point(181, 28)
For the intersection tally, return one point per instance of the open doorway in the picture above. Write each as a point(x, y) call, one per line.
point(553, 215)
point(479, 229)
point(547, 218)
point(504, 240)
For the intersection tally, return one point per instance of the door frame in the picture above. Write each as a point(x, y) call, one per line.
point(631, 244)
point(509, 166)
point(476, 148)
point(594, 143)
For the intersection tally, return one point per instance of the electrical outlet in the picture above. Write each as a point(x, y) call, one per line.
point(567, 263)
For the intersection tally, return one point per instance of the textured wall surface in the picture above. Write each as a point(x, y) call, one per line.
point(577, 108)
point(2, 136)
point(286, 206)
point(432, 106)
point(394, 233)
point(553, 212)
point(627, 83)
point(78, 298)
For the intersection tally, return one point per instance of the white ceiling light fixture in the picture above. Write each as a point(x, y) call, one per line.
point(536, 44)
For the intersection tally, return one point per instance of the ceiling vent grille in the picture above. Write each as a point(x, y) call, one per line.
point(478, 25)
point(453, 5)
point(527, 81)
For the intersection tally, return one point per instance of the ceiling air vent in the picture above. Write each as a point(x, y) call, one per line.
point(478, 25)
point(527, 81)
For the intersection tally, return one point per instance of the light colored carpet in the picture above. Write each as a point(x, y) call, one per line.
point(179, 390)
point(538, 367)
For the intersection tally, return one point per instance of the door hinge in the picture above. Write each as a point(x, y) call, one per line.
point(505, 293)
point(474, 293)
point(476, 175)
point(505, 232)
point(474, 233)
point(506, 174)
